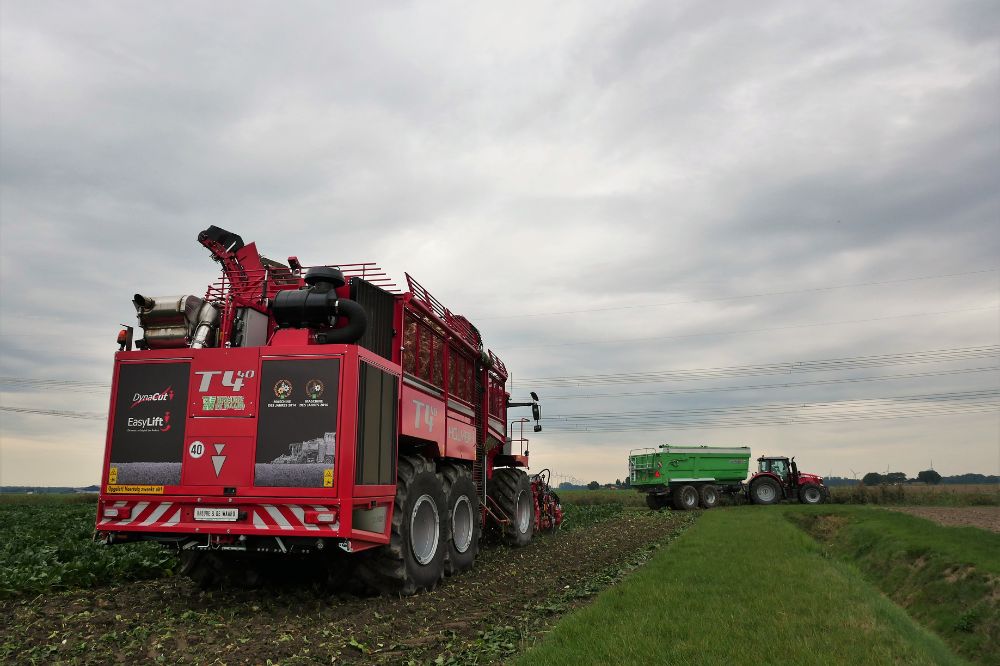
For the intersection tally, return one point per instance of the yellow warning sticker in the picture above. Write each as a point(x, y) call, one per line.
point(113, 475)
point(134, 490)
point(328, 478)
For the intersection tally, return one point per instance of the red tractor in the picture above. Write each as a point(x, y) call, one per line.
point(779, 478)
point(294, 414)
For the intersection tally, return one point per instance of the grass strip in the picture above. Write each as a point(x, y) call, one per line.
point(946, 577)
point(742, 585)
point(502, 641)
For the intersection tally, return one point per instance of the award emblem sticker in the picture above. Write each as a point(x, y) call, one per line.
point(282, 389)
point(314, 389)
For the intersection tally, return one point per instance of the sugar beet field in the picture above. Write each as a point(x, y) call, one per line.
point(824, 584)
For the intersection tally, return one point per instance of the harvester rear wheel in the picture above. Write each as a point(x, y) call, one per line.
point(202, 568)
point(511, 490)
point(709, 496)
point(655, 502)
point(464, 524)
point(413, 560)
point(685, 498)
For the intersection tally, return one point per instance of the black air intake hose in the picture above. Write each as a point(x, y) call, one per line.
point(357, 322)
point(318, 306)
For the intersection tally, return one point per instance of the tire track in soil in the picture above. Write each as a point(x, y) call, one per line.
point(519, 591)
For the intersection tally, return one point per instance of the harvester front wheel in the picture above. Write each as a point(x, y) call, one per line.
point(685, 498)
point(511, 490)
point(413, 560)
point(464, 520)
point(709, 496)
point(765, 491)
point(810, 493)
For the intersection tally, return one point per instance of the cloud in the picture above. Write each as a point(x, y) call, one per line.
point(521, 159)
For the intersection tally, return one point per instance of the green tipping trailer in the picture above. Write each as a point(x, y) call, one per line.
point(688, 476)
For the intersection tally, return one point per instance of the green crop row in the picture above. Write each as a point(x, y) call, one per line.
point(743, 585)
point(47, 545)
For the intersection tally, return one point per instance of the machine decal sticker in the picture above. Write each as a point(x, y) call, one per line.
point(297, 427)
point(133, 490)
point(222, 403)
point(164, 395)
point(218, 460)
point(147, 432)
point(196, 450)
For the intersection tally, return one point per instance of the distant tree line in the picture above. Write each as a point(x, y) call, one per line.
point(928, 476)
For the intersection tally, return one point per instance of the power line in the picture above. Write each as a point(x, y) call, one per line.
point(753, 330)
point(910, 406)
point(57, 384)
point(782, 367)
point(64, 413)
point(739, 297)
point(715, 424)
point(819, 382)
point(891, 400)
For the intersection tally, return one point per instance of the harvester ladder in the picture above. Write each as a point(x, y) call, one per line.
point(479, 465)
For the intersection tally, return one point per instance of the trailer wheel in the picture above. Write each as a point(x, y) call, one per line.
point(464, 524)
point(810, 493)
point(709, 496)
point(765, 491)
point(511, 490)
point(413, 560)
point(685, 498)
point(655, 501)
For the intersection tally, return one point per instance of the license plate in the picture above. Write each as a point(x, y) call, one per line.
point(224, 515)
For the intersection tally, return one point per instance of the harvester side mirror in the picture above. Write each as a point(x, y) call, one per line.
point(536, 412)
point(534, 396)
point(538, 428)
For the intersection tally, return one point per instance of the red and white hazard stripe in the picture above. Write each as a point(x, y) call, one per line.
point(146, 514)
point(288, 517)
point(153, 514)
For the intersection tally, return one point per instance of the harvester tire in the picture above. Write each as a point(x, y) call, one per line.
point(464, 524)
point(810, 493)
point(511, 490)
point(655, 502)
point(202, 568)
point(413, 560)
point(765, 491)
point(709, 496)
point(685, 498)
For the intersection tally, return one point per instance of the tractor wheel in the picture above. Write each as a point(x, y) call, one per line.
point(464, 524)
point(685, 498)
point(709, 496)
point(765, 491)
point(655, 502)
point(810, 493)
point(511, 490)
point(413, 560)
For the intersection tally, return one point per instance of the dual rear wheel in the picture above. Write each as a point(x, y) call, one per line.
point(435, 529)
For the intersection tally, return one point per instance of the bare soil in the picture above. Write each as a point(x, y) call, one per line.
point(482, 616)
point(983, 517)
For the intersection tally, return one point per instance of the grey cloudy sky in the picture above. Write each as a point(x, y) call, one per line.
point(649, 166)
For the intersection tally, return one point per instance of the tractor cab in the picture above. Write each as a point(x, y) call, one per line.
point(784, 468)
